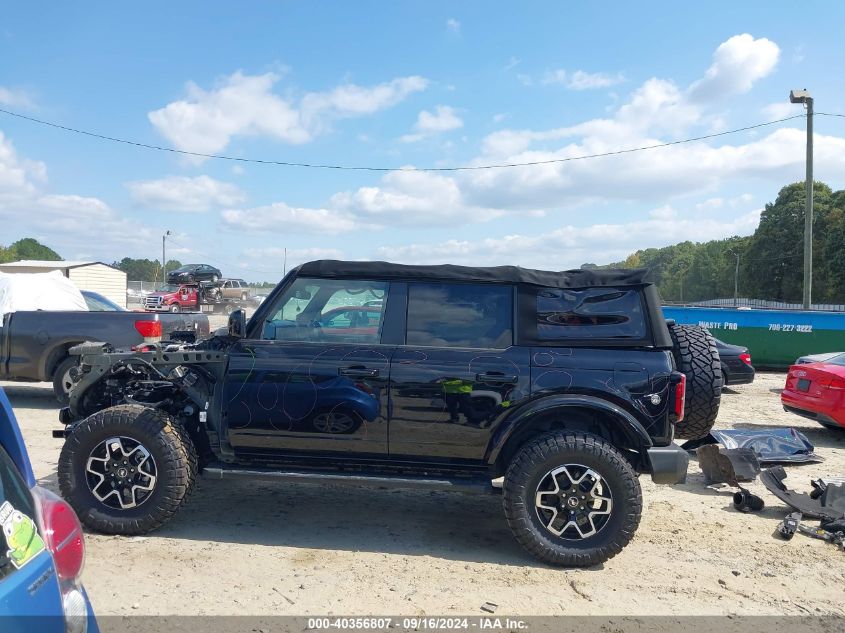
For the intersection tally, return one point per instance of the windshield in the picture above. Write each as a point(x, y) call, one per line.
point(169, 288)
point(98, 303)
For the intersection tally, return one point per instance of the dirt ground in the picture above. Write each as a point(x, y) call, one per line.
point(259, 548)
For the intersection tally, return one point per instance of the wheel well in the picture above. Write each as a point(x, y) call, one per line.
point(56, 356)
point(573, 418)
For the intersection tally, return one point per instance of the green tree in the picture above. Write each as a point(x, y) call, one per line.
point(28, 248)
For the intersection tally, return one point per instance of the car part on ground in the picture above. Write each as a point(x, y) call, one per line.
point(697, 357)
point(774, 445)
point(773, 479)
point(730, 466)
point(746, 501)
point(789, 526)
point(570, 401)
point(794, 523)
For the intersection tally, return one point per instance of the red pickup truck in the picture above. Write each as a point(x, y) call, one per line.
point(173, 298)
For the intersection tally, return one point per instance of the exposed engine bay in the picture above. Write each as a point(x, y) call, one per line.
point(176, 377)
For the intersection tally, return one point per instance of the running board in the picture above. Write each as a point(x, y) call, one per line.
point(475, 486)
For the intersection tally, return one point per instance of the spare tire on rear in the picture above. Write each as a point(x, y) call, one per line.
point(696, 356)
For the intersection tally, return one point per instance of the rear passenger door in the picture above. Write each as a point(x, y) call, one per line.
point(457, 372)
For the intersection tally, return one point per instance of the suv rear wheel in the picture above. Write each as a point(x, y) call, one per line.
point(572, 499)
point(127, 469)
point(697, 356)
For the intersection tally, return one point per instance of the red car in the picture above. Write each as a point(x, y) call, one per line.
point(817, 391)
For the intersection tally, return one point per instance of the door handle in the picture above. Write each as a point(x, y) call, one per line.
point(496, 378)
point(358, 372)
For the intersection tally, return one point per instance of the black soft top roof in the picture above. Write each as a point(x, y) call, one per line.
point(581, 278)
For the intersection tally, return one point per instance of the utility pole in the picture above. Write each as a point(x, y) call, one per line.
point(163, 259)
point(803, 96)
point(736, 277)
point(285, 264)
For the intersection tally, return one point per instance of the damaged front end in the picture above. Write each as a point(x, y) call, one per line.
point(179, 378)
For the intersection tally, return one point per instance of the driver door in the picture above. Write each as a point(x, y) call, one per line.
point(317, 378)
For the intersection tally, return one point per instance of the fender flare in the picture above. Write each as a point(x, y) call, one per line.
point(628, 424)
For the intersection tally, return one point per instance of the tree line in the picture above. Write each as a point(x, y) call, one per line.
point(770, 262)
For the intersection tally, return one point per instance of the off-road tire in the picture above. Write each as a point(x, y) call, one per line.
point(697, 357)
point(62, 396)
point(168, 443)
point(547, 452)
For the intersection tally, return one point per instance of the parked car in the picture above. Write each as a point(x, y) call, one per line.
point(42, 549)
point(817, 391)
point(98, 303)
point(568, 385)
point(173, 298)
point(34, 342)
point(736, 364)
point(234, 289)
point(816, 358)
point(193, 273)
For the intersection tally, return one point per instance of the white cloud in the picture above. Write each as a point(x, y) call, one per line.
point(513, 62)
point(581, 80)
point(443, 119)
point(15, 98)
point(180, 193)
point(453, 25)
point(206, 121)
point(412, 198)
point(554, 77)
point(64, 220)
point(295, 256)
point(569, 246)
point(779, 110)
point(283, 219)
point(737, 64)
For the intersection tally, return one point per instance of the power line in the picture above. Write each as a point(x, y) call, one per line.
point(281, 163)
point(829, 114)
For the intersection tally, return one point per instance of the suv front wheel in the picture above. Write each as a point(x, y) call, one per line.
point(127, 469)
point(572, 499)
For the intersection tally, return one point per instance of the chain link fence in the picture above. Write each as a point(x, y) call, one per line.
point(761, 304)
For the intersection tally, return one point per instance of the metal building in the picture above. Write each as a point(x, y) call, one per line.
point(95, 276)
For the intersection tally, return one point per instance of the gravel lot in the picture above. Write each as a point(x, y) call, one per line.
point(258, 548)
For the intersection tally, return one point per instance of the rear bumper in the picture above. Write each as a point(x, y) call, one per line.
point(821, 418)
point(668, 464)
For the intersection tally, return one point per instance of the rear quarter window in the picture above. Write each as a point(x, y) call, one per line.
point(590, 313)
point(13, 490)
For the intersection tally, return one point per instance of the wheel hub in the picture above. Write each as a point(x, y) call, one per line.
point(121, 473)
point(573, 502)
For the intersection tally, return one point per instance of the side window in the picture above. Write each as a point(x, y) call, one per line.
point(590, 313)
point(460, 315)
point(327, 310)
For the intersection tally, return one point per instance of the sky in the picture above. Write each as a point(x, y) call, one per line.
point(401, 85)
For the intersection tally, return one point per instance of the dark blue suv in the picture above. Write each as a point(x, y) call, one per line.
point(41, 547)
point(566, 384)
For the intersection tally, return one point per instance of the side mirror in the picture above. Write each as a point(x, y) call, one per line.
point(237, 324)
